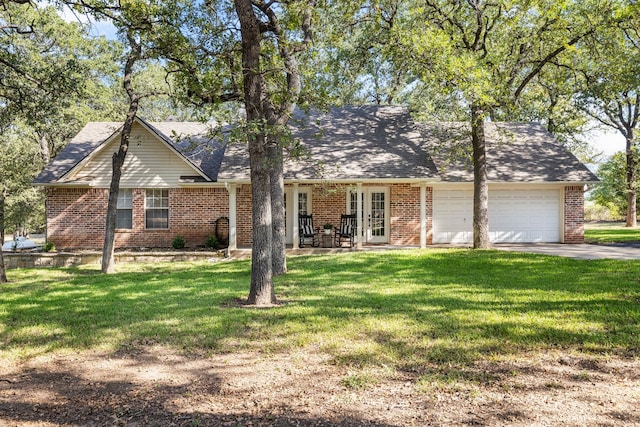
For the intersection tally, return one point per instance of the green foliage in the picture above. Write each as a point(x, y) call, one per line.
point(212, 242)
point(178, 242)
point(611, 192)
point(23, 206)
point(400, 309)
point(49, 246)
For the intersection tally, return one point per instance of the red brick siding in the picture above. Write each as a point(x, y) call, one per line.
point(243, 215)
point(404, 211)
point(574, 214)
point(328, 202)
point(75, 217)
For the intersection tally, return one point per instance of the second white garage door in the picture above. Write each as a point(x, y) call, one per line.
point(514, 216)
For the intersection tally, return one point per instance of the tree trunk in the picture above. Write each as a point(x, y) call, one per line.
point(480, 181)
point(45, 153)
point(3, 197)
point(119, 157)
point(3, 273)
point(632, 166)
point(261, 290)
point(276, 179)
point(108, 263)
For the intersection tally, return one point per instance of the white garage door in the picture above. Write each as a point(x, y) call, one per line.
point(514, 216)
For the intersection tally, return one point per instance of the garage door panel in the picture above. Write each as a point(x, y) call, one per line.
point(514, 216)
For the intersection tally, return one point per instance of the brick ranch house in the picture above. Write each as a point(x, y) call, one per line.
point(402, 177)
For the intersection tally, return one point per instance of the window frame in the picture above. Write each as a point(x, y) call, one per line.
point(124, 204)
point(151, 194)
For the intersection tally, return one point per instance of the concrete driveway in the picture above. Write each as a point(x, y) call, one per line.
point(582, 251)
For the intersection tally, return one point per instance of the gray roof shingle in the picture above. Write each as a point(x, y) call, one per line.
point(355, 143)
point(365, 142)
point(516, 152)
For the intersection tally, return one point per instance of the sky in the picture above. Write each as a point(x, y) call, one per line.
point(607, 141)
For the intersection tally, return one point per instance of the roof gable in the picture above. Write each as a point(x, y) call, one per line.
point(83, 160)
point(342, 144)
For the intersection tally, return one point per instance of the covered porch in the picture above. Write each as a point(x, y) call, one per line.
point(390, 212)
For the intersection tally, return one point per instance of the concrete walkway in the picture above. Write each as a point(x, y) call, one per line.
point(583, 251)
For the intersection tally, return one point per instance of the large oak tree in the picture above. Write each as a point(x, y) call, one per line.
point(247, 53)
point(490, 52)
point(612, 95)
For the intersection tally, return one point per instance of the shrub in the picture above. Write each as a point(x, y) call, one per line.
point(212, 242)
point(48, 247)
point(178, 242)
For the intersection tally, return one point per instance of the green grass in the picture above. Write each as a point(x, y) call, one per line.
point(610, 233)
point(410, 310)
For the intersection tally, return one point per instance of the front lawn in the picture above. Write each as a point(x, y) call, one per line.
point(398, 309)
point(603, 233)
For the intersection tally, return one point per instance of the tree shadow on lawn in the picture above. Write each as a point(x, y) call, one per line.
point(402, 308)
point(459, 306)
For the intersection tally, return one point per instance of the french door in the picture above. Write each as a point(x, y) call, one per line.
point(375, 214)
point(304, 208)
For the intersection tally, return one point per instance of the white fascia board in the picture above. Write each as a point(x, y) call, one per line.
point(208, 184)
point(412, 181)
point(78, 166)
point(507, 184)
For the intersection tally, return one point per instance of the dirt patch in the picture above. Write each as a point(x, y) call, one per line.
point(153, 386)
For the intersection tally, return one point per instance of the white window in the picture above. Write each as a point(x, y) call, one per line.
point(124, 209)
point(157, 209)
point(303, 203)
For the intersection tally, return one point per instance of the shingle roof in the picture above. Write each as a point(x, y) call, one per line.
point(355, 143)
point(516, 152)
point(88, 139)
point(348, 143)
point(191, 139)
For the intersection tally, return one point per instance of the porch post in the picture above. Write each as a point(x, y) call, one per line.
point(233, 245)
point(360, 211)
point(423, 215)
point(294, 220)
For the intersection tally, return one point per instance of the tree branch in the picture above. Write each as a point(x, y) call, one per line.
point(547, 59)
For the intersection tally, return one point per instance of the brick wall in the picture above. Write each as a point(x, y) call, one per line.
point(76, 217)
point(404, 211)
point(329, 201)
point(574, 214)
point(244, 214)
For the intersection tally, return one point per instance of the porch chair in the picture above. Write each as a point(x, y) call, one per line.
point(346, 230)
point(306, 230)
